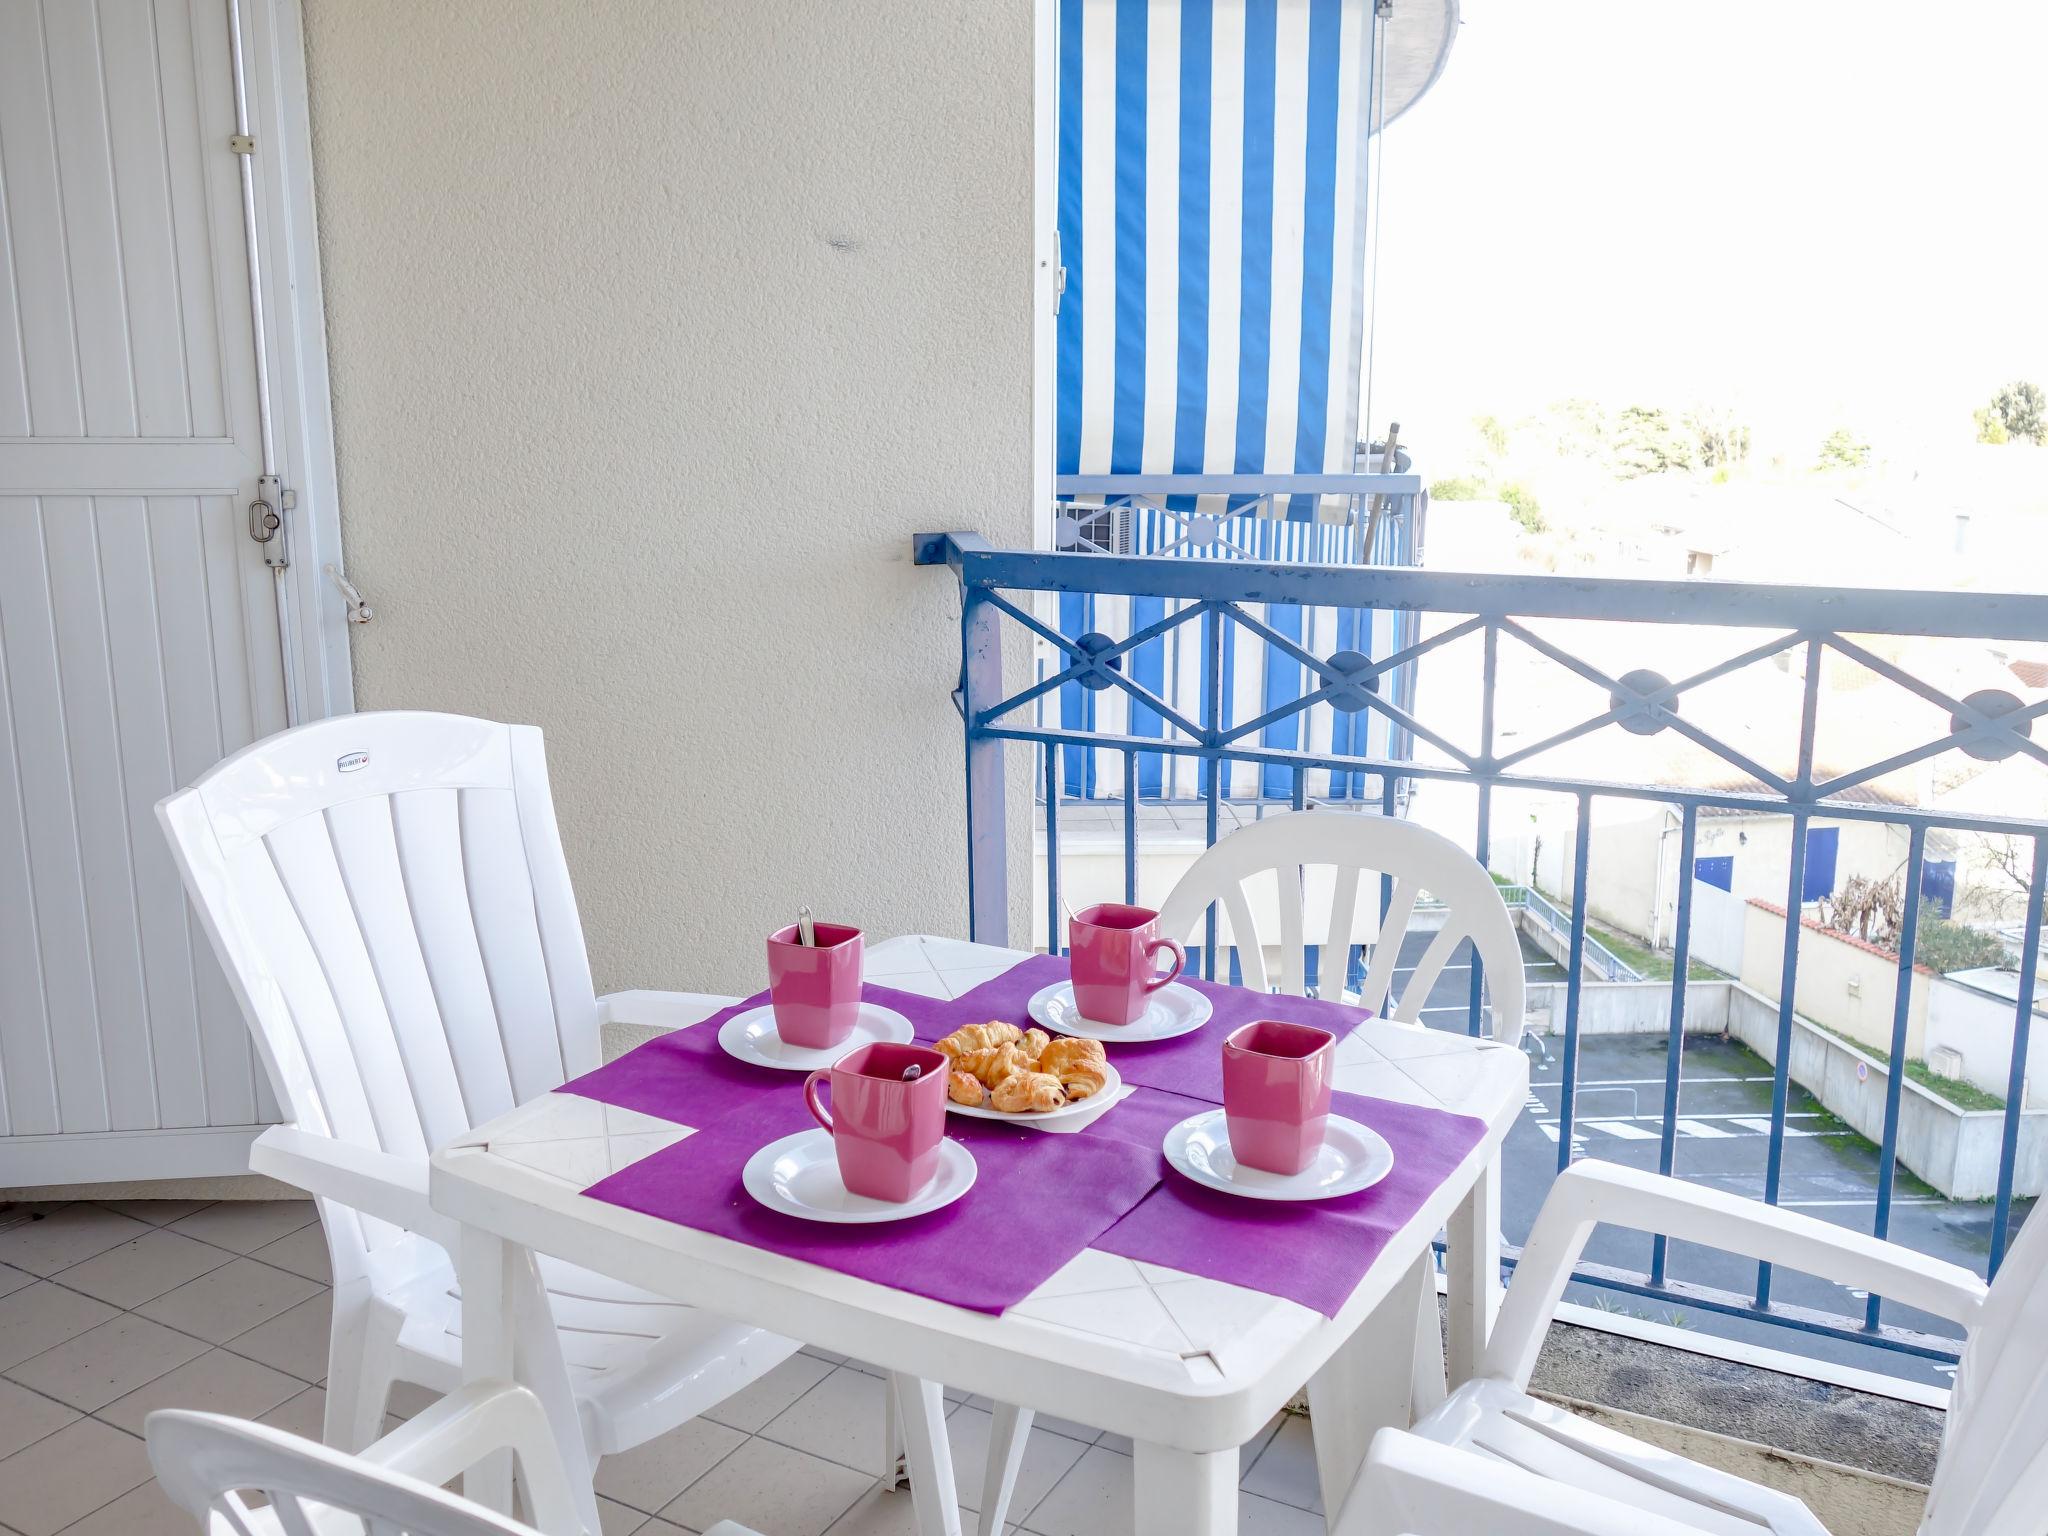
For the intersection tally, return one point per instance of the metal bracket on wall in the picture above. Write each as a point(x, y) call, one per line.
point(242, 143)
point(359, 612)
point(266, 519)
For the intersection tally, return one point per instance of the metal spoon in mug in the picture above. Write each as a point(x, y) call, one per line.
point(806, 930)
point(912, 1073)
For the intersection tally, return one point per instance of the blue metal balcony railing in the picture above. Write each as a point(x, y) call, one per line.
point(1809, 626)
point(1321, 519)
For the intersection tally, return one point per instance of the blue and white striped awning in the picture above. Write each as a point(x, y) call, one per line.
point(1213, 159)
point(1212, 217)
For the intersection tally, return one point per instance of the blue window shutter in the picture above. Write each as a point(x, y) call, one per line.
point(1822, 845)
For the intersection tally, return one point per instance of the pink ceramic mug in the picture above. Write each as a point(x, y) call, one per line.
point(1276, 1093)
point(886, 1130)
point(815, 988)
point(1114, 950)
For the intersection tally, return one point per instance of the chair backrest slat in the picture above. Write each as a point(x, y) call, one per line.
point(1293, 975)
point(309, 869)
point(1372, 992)
point(1408, 1006)
point(1355, 847)
point(1244, 937)
point(1337, 937)
point(429, 827)
point(1992, 1478)
point(494, 860)
point(389, 898)
point(366, 843)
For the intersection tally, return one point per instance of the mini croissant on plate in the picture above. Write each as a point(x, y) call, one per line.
point(1023, 1091)
point(994, 1064)
point(969, 1038)
point(1016, 1071)
point(1078, 1064)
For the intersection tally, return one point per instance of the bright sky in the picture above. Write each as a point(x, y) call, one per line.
point(1826, 212)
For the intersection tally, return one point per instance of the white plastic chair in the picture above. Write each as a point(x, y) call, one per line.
point(1296, 847)
point(1448, 1477)
point(208, 1464)
point(388, 895)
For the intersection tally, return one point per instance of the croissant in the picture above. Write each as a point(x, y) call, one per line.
point(994, 1064)
point(966, 1088)
point(1082, 1079)
point(969, 1038)
point(1034, 1043)
point(1058, 1056)
point(1021, 1092)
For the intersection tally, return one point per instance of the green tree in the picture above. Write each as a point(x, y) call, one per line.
point(1493, 434)
point(1843, 449)
point(1719, 437)
point(2021, 408)
point(1990, 426)
point(1648, 442)
point(1457, 488)
point(1522, 507)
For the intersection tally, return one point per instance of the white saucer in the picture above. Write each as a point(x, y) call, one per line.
point(751, 1037)
point(1112, 1085)
point(1353, 1157)
point(799, 1176)
point(1172, 1010)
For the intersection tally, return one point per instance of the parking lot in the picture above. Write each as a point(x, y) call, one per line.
point(1723, 1139)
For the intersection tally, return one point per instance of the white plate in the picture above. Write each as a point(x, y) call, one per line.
point(1172, 1010)
point(1353, 1157)
point(799, 1176)
point(1112, 1085)
point(751, 1037)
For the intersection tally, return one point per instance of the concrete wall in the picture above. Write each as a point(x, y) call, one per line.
point(1956, 1151)
point(1979, 1025)
point(1629, 1007)
point(1720, 924)
point(1843, 983)
point(1632, 857)
point(657, 330)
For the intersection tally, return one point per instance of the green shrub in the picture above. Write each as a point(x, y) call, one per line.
point(1943, 946)
point(1522, 507)
point(1458, 488)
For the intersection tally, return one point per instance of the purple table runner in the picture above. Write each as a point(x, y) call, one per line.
point(1039, 1198)
point(1313, 1252)
point(1037, 1201)
point(685, 1076)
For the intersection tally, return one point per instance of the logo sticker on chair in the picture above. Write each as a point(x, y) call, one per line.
point(351, 761)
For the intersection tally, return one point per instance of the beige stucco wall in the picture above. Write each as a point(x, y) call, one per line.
point(657, 329)
point(1847, 986)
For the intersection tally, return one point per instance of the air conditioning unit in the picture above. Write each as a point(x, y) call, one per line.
point(1945, 1061)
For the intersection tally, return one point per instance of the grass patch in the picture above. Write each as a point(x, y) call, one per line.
point(1959, 1093)
point(1655, 964)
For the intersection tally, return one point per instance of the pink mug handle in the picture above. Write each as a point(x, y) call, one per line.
point(1180, 959)
point(811, 1097)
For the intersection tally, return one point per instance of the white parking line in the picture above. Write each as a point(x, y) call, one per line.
point(1701, 1128)
point(1626, 1130)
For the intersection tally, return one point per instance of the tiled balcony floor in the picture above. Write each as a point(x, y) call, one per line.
point(108, 1311)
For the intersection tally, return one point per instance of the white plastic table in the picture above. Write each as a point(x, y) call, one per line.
point(1188, 1368)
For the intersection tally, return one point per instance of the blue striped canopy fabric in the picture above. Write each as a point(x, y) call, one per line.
point(1212, 179)
point(1212, 160)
